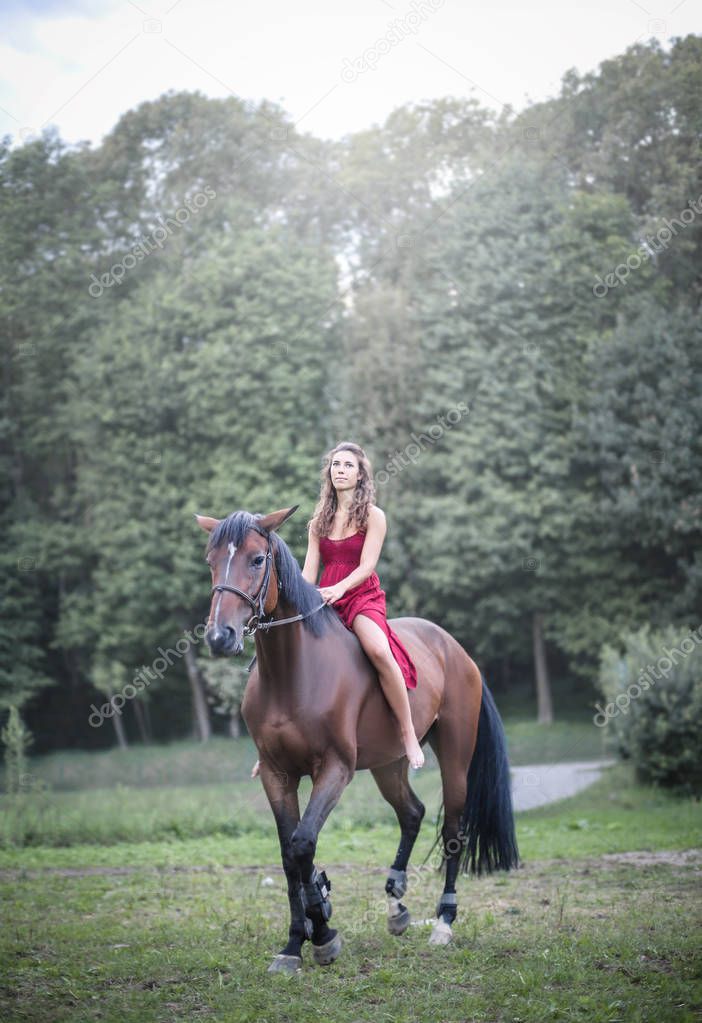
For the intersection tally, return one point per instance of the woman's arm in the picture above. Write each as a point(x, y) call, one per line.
point(311, 569)
point(372, 546)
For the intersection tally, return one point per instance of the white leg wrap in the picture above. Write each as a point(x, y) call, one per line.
point(441, 933)
point(393, 906)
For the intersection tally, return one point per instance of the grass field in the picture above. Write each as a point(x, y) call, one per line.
point(190, 790)
point(183, 928)
point(239, 813)
point(227, 760)
point(596, 941)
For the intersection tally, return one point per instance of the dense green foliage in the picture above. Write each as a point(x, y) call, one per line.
point(653, 704)
point(192, 312)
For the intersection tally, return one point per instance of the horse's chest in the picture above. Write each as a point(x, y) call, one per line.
point(281, 731)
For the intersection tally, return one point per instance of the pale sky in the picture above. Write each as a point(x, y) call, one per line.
point(80, 64)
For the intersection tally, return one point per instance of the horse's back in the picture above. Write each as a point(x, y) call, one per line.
point(427, 639)
point(441, 661)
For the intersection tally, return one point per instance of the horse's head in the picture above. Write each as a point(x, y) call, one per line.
point(244, 580)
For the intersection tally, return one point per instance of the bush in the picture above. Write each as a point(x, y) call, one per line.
point(653, 704)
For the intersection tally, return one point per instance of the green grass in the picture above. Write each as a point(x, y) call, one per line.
point(575, 739)
point(611, 816)
point(547, 945)
point(228, 760)
point(586, 942)
point(190, 790)
point(177, 763)
point(183, 929)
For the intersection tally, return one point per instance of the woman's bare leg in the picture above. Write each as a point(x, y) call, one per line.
point(376, 644)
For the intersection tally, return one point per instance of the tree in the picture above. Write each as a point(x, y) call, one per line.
point(197, 369)
point(16, 740)
point(507, 321)
point(642, 431)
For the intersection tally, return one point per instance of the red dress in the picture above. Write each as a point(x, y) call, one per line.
point(340, 558)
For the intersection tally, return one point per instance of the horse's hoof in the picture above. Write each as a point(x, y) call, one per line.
point(399, 923)
point(326, 954)
point(441, 933)
point(286, 964)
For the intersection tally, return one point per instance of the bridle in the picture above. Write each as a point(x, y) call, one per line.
point(254, 623)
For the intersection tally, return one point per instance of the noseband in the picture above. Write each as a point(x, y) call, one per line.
point(258, 602)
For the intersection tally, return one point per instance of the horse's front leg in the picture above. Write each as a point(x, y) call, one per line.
point(282, 795)
point(328, 785)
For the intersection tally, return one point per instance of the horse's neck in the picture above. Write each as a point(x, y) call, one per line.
point(284, 651)
point(278, 649)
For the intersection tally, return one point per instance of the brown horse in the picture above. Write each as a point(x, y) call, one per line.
point(314, 706)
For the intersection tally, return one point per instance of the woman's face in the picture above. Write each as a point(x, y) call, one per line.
point(344, 470)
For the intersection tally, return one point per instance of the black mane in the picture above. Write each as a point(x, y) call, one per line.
point(297, 591)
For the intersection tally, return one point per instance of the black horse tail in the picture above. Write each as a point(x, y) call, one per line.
point(487, 824)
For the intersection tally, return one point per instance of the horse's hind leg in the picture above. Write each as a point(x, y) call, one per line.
point(453, 740)
point(392, 782)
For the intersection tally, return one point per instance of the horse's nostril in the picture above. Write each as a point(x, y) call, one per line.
point(218, 639)
point(222, 640)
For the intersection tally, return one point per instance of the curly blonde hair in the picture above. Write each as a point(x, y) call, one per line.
point(363, 496)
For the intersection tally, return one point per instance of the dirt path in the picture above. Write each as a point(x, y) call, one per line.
point(539, 784)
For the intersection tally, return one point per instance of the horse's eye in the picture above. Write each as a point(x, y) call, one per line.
point(258, 561)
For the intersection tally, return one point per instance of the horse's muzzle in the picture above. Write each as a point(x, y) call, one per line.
point(223, 642)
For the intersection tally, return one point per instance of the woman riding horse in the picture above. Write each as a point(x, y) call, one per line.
point(313, 707)
point(349, 581)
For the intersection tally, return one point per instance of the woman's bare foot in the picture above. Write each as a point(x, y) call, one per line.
point(256, 767)
point(414, 753)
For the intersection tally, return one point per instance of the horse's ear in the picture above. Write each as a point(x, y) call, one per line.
point(206, 523)
point(275, 520)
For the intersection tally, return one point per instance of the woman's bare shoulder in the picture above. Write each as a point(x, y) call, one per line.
point(376, 514)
